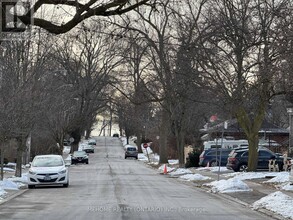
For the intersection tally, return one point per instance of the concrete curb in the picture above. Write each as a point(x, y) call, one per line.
point(228, 197)
point(206, 189)
point(265, 212)
point(12, 196)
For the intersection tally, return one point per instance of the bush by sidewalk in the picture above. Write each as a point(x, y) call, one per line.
point(193, 159)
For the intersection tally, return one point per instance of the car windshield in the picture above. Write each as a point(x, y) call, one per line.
point(131, 149)
point(47, 162)
point(79, 153)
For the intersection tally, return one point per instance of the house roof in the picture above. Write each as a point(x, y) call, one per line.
point(234, 127)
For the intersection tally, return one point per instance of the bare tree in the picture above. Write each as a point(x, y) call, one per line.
point(21, 65)
point(77, 11)
point(16, 85)
point(171, 82)
point(87, 58)
point(240, 58)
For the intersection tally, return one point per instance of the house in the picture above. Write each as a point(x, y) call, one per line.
point(270, 135)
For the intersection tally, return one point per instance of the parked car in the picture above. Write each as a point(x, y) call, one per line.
point(87, 148)
point(79, 157)
point(212, 157)
point(92, 142)
point(238, 159)
point(131, 152)
point(47, 170)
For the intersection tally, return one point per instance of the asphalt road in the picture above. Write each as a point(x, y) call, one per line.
point(110, 187)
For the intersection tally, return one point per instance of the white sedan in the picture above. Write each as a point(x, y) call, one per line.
point(47, 170)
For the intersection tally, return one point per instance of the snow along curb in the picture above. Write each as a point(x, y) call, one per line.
point(263, 211)
point(9, 197)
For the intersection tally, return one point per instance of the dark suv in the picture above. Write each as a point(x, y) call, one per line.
point(79, 157)
point(212, 157)
point(238, 159)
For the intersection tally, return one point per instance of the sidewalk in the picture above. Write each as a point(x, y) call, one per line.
point(259, 189)
point(10, 194)
point(247, 198)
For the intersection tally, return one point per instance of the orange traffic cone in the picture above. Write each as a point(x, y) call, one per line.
point(165, 169)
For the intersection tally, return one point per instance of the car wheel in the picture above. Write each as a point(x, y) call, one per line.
point(214, 163)
point(125, 157)
point(243, 168)
point(31, 186)
point(66, 184)
point(136, 158)
point(87, 162)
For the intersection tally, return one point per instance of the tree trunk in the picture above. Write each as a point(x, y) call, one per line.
point(138, 142)
point(163, 137)
point(18, 168)
point(251, 128)
point(180, 146)
point(253, 152)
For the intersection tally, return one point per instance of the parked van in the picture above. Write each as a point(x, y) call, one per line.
point(224, 143)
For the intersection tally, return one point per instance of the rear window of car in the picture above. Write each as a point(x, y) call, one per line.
point(131, 149)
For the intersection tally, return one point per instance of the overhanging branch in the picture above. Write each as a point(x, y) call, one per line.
point(83, 11)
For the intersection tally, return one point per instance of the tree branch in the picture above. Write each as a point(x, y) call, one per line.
point(82, 13)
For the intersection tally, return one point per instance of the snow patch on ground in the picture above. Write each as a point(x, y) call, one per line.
point(228, 186)
point(213, 169)
point(287, 187)
point(169, 169)
point(180, 171)
point(277, 202)
point(173, 162)
point(281, 177)
point(194, 177)
point(2, 193)
point(8, 184)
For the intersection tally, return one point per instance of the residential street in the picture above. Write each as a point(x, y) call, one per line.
point(110, 187)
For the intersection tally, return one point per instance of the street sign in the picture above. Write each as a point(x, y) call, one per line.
point(145, 145)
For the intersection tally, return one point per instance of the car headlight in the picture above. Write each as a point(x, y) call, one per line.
point(32, 172)
point(62, 171)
